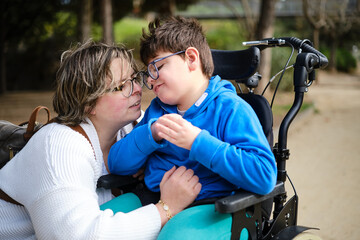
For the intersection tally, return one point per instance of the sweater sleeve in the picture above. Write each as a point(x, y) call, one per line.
point(129, 154)
point(240, 153)
point(60, 194)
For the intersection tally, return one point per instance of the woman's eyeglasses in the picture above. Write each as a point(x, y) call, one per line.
point(153, 71)
point(127, 87)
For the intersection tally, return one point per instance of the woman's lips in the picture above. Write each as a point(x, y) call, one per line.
point(136, 104)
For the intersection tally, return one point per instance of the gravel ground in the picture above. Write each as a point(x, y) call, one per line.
point(324, 163)
point(324, 145)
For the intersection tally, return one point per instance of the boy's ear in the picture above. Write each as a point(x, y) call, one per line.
point(192, 56)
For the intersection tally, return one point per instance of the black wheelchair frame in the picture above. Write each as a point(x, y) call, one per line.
point(249, 210)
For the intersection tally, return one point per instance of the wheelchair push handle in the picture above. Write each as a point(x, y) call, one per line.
point(301, 45)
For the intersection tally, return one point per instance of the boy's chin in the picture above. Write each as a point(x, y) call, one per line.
point(167, 101)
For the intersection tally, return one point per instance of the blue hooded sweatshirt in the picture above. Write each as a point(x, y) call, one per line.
point(230, 152)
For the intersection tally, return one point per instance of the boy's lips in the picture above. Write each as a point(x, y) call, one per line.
point(156, 88)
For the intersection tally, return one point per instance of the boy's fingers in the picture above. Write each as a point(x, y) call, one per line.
point(166, 131)
point(140, 172)
point(170, 123)
point(175, 118)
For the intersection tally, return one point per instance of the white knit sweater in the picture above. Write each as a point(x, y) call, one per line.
point(55, 177)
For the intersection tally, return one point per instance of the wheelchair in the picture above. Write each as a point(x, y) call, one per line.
point(246, 215)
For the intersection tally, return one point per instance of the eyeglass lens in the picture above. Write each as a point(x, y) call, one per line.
point(153, 71)
point(127, 88)
point(145, 79)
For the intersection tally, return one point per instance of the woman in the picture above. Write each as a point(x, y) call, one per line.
point(54, 177)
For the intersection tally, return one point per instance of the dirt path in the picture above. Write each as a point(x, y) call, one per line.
point(324, 146)
point(325, 158)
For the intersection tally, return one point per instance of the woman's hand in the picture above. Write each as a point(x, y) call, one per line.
point(179, 188)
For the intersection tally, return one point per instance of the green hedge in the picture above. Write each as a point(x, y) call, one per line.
point(345, 61)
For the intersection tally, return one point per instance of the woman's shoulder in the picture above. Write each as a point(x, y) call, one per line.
point(66, 148)
point(56, 132)
point(57, 139)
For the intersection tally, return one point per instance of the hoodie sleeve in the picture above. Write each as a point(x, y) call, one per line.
point(240, 153)
point(129, 154)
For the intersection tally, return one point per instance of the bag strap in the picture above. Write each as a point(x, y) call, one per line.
point(30, 130)
point(7, 198)
point(76, 128)
point(80, 130)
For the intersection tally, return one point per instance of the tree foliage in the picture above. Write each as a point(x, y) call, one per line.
point(24, 24)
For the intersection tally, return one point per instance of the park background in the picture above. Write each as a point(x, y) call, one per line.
point(35, 33)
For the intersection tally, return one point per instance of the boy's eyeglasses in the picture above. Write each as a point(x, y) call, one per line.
point(127, 87)
point(153, 71)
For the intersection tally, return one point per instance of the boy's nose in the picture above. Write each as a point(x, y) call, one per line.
point(150, 80)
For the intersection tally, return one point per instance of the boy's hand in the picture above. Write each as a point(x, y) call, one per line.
point(176, 130)
point(140, 174)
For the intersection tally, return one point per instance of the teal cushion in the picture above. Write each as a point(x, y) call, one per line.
point(124, 203)
point(200, 222)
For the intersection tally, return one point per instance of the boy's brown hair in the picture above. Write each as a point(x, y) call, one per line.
point(174, 34)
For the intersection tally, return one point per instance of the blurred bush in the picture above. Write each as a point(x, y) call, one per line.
point(224, 34)
point(345, 61)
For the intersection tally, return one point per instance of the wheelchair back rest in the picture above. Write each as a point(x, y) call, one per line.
point(240, 65)
point(236, 65)
point(263, 111)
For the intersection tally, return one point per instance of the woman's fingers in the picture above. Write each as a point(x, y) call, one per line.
point(188, 174)
point(179, 172)
point(168, 174)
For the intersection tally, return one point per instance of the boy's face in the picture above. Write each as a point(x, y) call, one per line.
point(173, 82)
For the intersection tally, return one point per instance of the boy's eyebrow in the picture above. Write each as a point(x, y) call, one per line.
point(155, 58)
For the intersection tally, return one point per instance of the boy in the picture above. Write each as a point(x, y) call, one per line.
point(196, 120)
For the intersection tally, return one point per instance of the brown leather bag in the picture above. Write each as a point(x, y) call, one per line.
point(14, 137)
point(27, 135)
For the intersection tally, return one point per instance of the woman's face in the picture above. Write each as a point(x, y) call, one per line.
point(113, 109)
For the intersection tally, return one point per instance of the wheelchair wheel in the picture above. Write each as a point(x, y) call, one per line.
point(307, 236)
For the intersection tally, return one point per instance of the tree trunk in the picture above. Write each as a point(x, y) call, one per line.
point(265, 29)
point(167, 8)
point(85, 19)
point(332, 59)
point(3, 87)
point(316, 38)
point(107, 21)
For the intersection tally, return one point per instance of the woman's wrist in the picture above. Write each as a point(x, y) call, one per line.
point(166, 209)
point(162, 212)
point(165, 212)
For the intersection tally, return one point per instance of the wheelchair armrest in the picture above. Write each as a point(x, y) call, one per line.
point(244, 199)
point(115, 181)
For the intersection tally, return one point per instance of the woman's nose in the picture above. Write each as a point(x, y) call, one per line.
point(137, 88)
